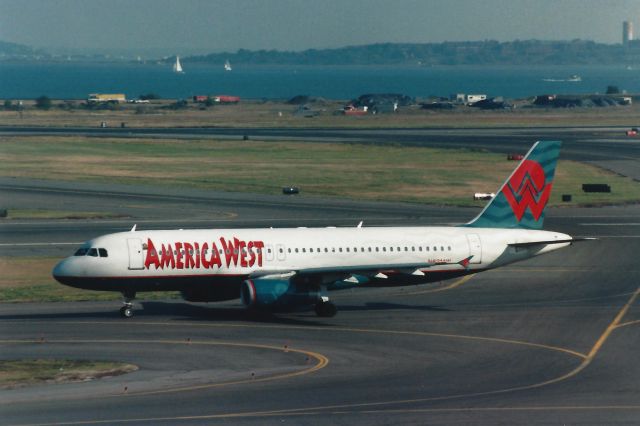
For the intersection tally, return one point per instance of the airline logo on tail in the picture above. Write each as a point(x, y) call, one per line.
point(522, 198)
point(527, 188)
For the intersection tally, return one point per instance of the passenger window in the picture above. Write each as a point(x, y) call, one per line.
point(435, 248)
point(419, 248)
point(103, 252)
point(81, 251)
point(441, 248)
point(93, 252)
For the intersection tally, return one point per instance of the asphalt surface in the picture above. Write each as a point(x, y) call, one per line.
point(549, 341)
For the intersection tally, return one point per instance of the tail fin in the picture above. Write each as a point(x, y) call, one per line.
point(523, 196)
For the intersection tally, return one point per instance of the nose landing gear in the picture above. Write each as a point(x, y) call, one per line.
point(127, 310)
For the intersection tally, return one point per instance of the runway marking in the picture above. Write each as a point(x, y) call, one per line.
point(322, 410)
point(353, 330)
point(625, 324)
point(323, 361)
point(457, 283)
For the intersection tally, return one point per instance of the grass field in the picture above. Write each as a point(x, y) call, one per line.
point(15, 373)
point(359, 171)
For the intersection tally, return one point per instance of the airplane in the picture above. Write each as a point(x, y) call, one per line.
point(295, 268)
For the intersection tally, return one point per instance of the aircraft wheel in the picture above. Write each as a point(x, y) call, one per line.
point(326, 309)
point(126, 312)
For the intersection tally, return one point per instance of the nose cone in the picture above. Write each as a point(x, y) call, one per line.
point(61, 272)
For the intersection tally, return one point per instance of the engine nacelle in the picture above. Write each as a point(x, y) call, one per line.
point(273, 293)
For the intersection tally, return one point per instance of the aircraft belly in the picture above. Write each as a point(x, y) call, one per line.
point(157, 283)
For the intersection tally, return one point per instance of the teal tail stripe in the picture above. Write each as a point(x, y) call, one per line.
point(521, 200)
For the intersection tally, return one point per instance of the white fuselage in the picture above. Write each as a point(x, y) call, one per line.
point(151, 260)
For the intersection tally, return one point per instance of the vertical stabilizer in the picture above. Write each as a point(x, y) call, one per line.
point(521, 201)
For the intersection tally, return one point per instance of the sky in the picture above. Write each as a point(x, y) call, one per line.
point(201, 26)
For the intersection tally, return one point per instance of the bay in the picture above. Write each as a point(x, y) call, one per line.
point(73, 80)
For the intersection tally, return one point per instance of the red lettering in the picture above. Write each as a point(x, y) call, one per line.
point(188, 256)
point(242, 249)
point(197, 253)
point(260, 246)
point(230, 251)
point(203, 257)
point(152, 255)
point(252, 254)
point(215, 257)
point(179, 263)
point(167, 257)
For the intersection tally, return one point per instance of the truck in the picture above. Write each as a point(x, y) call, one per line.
point(106, 98)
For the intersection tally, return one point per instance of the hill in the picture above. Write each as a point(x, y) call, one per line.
point(489, 52)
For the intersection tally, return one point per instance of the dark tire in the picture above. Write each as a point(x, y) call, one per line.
point(126, 312)
point(326, 309)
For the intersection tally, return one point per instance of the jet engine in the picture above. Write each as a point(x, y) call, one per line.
point(276, 294)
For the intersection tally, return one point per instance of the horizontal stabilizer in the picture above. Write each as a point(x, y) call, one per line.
point(540, 243)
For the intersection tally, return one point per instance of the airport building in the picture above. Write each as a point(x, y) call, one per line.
point(627, 33)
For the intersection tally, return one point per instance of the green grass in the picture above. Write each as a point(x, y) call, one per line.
point(359, 171)
point(34, 371)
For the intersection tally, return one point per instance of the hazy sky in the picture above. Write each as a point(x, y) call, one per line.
point(215, 25)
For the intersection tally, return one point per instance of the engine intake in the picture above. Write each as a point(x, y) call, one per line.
point(272, 293)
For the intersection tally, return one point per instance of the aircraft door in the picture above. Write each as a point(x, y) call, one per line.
point(475, 248)
point(136, 258)
point(269, 256)
point(281, 253)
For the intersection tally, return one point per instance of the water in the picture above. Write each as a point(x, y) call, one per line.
point(76, 80)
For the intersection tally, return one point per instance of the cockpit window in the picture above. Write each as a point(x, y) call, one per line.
point(81, 251)
point(93, 252)
point(103, 252)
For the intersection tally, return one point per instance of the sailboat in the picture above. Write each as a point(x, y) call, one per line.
point(227, 66)
point(177, 67)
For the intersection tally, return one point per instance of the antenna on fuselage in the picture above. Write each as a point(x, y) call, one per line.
point(360, 224)
point(134, 228)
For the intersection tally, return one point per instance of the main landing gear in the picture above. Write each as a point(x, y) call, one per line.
point(325, 309)
point(127, 310)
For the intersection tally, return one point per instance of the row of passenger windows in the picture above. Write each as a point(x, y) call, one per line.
point(95, 252)
point(376, 249)
point(366, 249)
